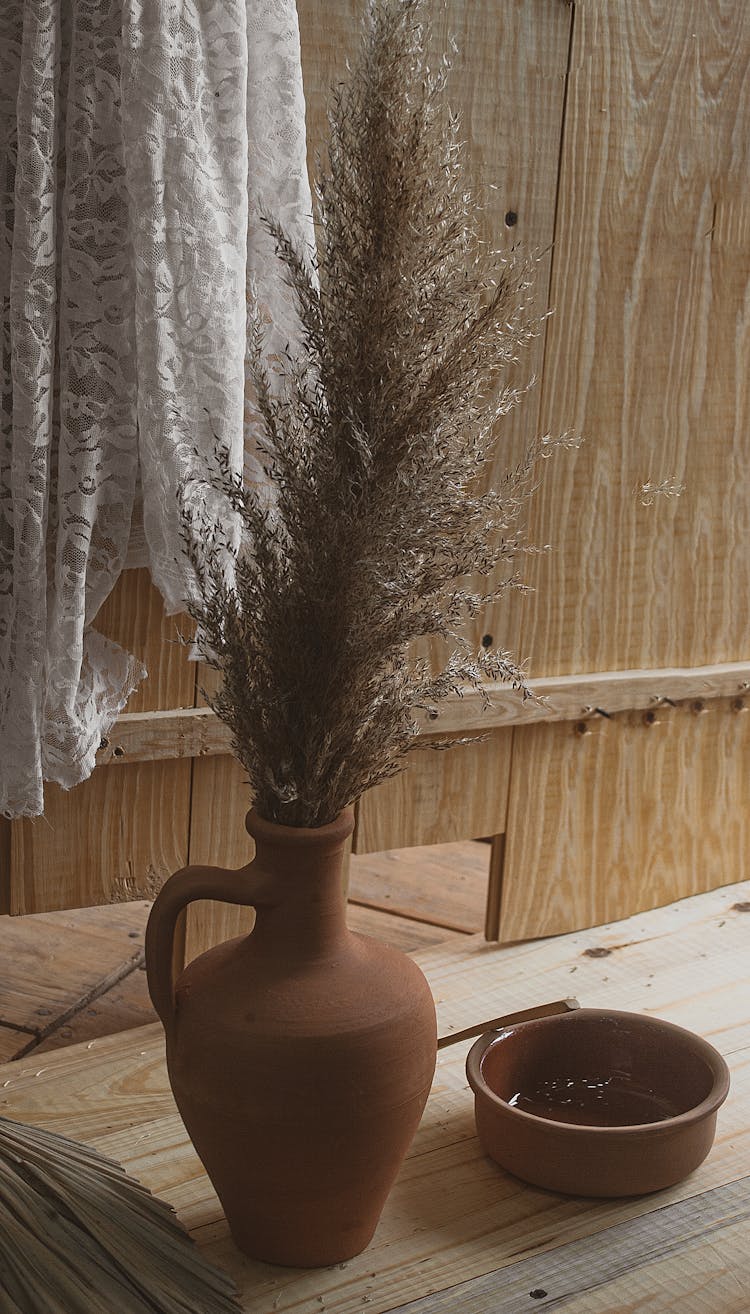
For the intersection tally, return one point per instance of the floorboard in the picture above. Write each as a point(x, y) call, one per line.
point(444, 885)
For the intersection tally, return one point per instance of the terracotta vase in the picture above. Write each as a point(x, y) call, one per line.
point(300, 1056)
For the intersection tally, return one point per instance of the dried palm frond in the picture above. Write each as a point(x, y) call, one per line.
point(77, 1235)
point(375, 432)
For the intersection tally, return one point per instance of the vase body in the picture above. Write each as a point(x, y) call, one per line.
point(300, 1056)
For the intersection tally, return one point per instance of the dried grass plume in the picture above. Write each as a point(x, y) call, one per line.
point(375, 431)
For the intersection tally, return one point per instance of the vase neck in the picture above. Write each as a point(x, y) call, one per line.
point(305, 916)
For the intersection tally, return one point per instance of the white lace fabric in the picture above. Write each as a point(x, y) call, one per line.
point(139, 142)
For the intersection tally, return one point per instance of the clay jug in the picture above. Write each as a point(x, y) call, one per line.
point(300, 1056)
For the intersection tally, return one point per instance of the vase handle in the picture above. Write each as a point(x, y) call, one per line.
point(247, 886)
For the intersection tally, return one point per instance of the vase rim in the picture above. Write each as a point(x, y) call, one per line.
point(334, 832)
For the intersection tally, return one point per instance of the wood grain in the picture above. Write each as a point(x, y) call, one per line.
point(56, 962)
point(444, 885)
point(5, 851)
point(508, 84)
point(95, 838)
point(454, 1216)
point(647, 354)
point(648, 350)
point(171, 733)
point(120, 1007)
point(611, 815)
point(103, 841)
point(12, 1040)
point(134, 616)
point(440, 796)
point(677, 1254)
point(401, 932)
point(495, 888)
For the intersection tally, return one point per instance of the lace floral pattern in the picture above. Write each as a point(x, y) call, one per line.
point(139, 140)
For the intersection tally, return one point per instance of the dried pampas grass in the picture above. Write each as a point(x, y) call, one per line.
point(78, 1236)
point(375, 433)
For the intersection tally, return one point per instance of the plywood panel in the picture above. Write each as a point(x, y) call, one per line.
point(123, 828)
point(608, 816)
point(441, 796)
point(648, 351)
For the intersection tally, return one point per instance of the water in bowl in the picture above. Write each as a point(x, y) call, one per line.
point(615, 1100)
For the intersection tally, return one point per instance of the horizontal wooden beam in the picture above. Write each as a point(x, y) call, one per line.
point(178, 732)
point(197, 732)
point(571, 697)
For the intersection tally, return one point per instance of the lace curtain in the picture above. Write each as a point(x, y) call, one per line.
point(139, 140)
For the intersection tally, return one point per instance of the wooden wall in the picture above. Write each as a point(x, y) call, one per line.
point(613, 139)
point(647, 354)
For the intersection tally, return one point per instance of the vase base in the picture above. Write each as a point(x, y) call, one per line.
point(313, 1252)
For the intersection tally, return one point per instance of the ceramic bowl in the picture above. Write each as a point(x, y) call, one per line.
point(596, 1102)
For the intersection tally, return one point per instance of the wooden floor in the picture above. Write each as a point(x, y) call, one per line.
point(74, 976)
point(458, 1234)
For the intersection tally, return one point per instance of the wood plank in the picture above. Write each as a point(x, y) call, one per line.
point(401, 932)
point(53, 963)
point(99, 843)
point(647, 356)
point(5, 850)
point(12, 1041)
point(444, 885)
point(122, 1007)
point(632, 813)
point(197, 732)
point(711, 1276)
point(220, 801)
point(509, 86)
point(124, 1084)
point(453, 1215)
point(133, 615)
point(649, 347)
point(495, 888)
point(96, 838)
point(661, 1255)
point(173, 732)
point(439, 797)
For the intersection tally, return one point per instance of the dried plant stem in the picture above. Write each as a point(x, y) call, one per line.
point(375, 433)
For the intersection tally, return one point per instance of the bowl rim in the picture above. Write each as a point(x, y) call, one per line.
point(713, 1101)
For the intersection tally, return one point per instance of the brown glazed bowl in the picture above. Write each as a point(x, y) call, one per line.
point(596, 1102)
